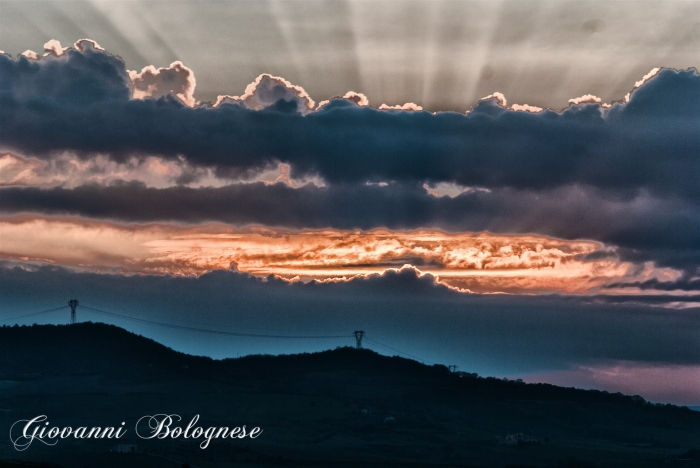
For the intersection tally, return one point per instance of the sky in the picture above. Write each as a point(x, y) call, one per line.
point(509, 187)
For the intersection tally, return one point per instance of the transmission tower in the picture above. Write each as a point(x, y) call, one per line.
point(73, 303)
point(358, 338)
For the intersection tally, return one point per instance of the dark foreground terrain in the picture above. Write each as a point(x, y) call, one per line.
point(343, 408)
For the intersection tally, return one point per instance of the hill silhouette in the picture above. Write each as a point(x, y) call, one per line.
point(342, 407)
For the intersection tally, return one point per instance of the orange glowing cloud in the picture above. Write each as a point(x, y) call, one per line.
point(478, 262)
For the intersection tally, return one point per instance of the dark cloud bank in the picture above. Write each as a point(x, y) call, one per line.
point(627, 175)
point(81, 102)
point(645, 228)
point(400, 309)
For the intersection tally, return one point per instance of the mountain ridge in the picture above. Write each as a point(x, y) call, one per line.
point(352, 405)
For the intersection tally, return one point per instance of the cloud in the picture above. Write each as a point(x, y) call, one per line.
point(176, 79)
point(30, 54)
point(266, 91)
point(352, 96)
point(82, 45)
point(688, 282)
point(503, 102)
point(477, 262)
point(54, 47)
point(80, 78)
point(642, 227)
point(644, 79)
point(526, 108)
point(409, 106)
point(68, 171)
point(500, 98)
point(625, 175)
point(585, 99)
point(648, 143)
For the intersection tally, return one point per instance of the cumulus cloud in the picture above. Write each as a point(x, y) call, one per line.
point(526, 108)
point(54, 47)
point(30, 54)
point(647, 77)
point(176, 79)
point(503, 102)
point(79, 78)
point(266, 91)
point(500, 98)
point(632, 145)
point(358, 98)
point(546, 172)
point(409, 106)
point(639, 83)
point(83, 44)
point(585, 99)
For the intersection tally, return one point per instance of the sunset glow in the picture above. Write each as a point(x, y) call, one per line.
point(506, 187)
point(472, 262)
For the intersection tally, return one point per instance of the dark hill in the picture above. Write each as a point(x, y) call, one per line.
point(321, 409)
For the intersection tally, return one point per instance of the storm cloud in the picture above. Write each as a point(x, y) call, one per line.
point(625, 174)
point(665, 230)
point(81, 101)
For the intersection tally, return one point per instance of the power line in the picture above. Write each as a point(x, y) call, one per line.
point(33, 314)
point(230, 333)
point(208, 330)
